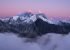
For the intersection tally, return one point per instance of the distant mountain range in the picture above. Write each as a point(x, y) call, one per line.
point(32, 25)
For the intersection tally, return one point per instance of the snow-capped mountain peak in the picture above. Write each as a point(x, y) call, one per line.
point(44, 18)
point(29, 17)
point(26, 14)
point(15, 17)
point(26, 17)
point(34, 25)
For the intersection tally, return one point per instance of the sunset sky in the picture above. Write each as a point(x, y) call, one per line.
point(49, 7)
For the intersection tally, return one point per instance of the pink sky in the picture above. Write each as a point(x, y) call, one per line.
point(49, 7)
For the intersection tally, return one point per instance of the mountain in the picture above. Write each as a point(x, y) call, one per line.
point(28, 17)
point(32, 25)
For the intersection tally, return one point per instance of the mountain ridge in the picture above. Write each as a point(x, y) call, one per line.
point(32, 25)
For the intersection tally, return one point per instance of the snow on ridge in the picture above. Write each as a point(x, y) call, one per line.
point(34, 17)
point(46, 20)
point(15, 17)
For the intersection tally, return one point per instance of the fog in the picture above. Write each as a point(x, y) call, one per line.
point(12, 42)
point(46, 42)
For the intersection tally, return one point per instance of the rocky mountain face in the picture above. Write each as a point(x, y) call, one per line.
point(32, 25)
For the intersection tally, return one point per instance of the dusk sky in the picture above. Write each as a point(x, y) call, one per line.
point(50, 7)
